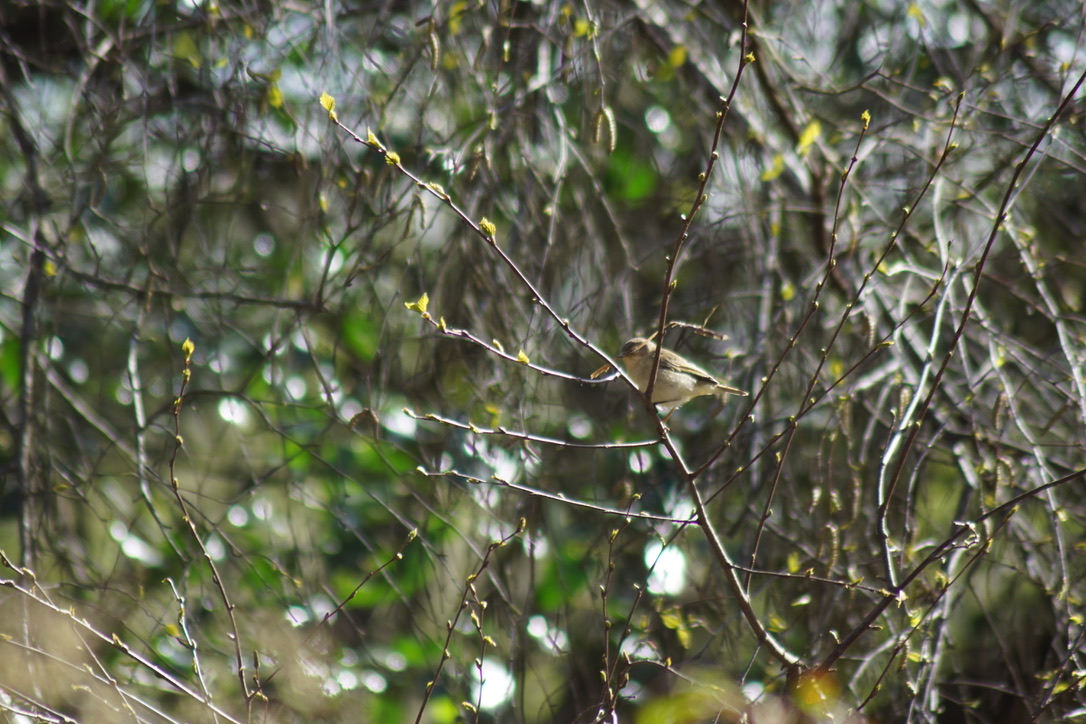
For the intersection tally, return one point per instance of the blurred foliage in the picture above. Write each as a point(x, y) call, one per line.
point(350, 506)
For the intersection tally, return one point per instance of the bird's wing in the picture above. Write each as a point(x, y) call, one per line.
point(721, 387)
point(702, 376)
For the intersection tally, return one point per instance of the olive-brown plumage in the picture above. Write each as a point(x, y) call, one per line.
point(677, 381)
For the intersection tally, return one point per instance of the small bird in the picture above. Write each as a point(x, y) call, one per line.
point(677, 381)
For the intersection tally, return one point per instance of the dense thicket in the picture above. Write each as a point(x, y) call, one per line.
point(298, 412)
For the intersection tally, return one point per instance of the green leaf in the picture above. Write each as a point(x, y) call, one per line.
point(361, 335)
point(774, 171)
point(10, 351)
point(631, 177)
point(184, 47)
point(419, 306)
point(810, 134)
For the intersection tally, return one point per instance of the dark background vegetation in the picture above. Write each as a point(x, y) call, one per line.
point(382, 484)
